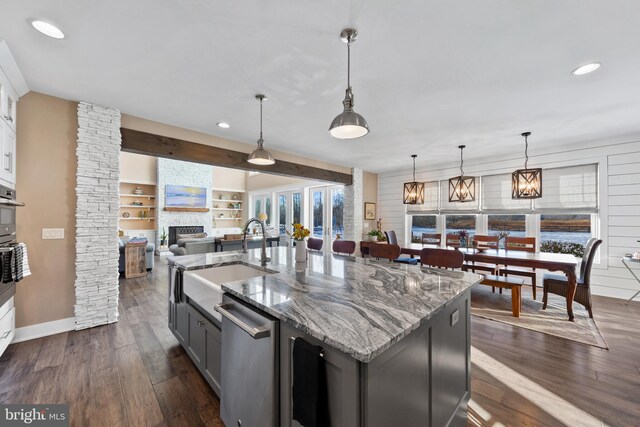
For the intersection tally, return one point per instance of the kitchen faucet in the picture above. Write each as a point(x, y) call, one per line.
point(263, 253)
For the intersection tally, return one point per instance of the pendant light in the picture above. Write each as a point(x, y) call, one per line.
point(413, 191)
point(348, 124)
point(462, 188)
point(260, 156)
point(526, 183)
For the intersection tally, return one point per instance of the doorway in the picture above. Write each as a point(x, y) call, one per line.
point(327, 212)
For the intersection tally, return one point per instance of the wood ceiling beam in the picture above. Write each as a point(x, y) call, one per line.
point(134, 141)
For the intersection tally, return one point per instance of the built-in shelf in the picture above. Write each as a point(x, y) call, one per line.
point(137, 219)
point(225, 209)
point(227, 200)
point(144, 196)
point(138, 206)
point(228, 219)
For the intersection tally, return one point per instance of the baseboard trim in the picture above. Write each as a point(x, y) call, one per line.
point(44, 329)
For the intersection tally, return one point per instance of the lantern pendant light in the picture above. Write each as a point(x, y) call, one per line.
point(260, 156)
point(413, 191)
point(526, 183)
point(348, 124)
point(462, 188)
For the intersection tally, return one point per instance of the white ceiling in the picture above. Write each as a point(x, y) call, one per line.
point(427, 75)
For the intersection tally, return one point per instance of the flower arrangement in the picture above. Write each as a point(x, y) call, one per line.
point(299, 232)
point(463, 234)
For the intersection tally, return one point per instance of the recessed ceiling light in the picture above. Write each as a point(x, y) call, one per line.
point(224, 125)
point(586, 69)
point(47, 29)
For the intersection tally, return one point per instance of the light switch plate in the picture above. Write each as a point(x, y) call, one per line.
point(455, 316)
point(52, 233)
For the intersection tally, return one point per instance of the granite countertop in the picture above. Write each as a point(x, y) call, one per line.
point(359, 306)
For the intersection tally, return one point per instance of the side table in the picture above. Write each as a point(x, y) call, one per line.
point(626, 261)
point(134, 259)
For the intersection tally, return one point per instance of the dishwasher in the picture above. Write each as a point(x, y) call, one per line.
point(250, 371)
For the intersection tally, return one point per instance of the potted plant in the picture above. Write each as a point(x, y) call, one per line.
point(376, 235)
point(299, 234)
point(463, 234)
point(163, 237)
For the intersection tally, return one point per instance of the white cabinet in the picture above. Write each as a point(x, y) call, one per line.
point(8, 153)
point(7, 324)
point(8, 102)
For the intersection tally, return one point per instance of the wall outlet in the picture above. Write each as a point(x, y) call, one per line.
point(52, 233)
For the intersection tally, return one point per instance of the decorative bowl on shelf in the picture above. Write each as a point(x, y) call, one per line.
point(138, 191)
point(126, 214)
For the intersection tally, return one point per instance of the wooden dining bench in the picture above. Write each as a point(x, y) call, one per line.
point(507, 283)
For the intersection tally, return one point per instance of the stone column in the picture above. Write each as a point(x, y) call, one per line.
point(97, 193)
point(353, 207)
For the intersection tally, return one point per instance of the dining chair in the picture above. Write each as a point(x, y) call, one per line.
point(484, 242)
point(314, 244)
point(431, 239)
point(524, 244)
point(557, 283)
point(392, 239)
point(383, 250)
point(441, 258)
point(452, 239)
point(345, 247)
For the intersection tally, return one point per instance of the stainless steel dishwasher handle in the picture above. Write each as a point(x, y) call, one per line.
point(255, 333)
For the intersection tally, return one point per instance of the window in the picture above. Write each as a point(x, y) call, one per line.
point(422, 224)
point(514, 225)
point(565, 234)
point(317, 213)
point(337, 212)
point(457, 223)
point(262, 204)
point(297, 208)
point(282, 214)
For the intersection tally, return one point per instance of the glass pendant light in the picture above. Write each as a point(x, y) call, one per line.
point(526, 183)
point(260, 156)
point(413, 191)
point(348, 124)
point(462, 188)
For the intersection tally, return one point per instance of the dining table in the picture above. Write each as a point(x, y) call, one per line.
point(564, 263)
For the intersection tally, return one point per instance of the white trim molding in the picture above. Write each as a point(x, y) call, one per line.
point(45, 329)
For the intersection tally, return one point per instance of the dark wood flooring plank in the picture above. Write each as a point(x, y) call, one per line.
point(177, 407)
point(102, 354)
point(18, 369)
point(120, 333)
point(205, 400)
point(52, 352)
point(155, 360)
point(107, 401)
point(139, 398)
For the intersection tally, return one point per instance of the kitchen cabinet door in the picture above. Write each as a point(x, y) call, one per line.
point(8, 102)
point(181, 322)
point(212, 360)
point(8, 150)
point(343, 382)
point(196, 336)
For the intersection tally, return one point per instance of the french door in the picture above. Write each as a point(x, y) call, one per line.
point(288, 210)
point(327, 213)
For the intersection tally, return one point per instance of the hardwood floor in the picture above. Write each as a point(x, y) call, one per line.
point(134, 372)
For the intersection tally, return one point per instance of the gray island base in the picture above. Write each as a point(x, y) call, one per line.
point(395, 338)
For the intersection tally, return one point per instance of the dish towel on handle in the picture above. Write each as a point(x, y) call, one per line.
point(7, 264)
point(310, 406)
point(20, 262)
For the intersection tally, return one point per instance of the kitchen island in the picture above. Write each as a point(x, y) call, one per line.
point(395, 337)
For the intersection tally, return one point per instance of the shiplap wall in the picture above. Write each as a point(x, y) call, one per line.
point(619, 199)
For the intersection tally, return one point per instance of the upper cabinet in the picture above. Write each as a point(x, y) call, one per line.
point(12, 86)
point(8, 101)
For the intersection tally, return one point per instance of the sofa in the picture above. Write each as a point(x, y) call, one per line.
point(149, 254)
point(193, 244)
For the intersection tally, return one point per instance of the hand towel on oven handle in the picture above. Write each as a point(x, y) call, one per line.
point(309, 391)
point(14, 263)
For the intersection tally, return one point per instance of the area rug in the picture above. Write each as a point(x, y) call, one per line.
point(552, 321)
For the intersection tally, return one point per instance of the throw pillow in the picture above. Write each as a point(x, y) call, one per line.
point(191, 236)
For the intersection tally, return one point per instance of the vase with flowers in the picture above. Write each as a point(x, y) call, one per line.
point(300, 234)
point(463, 235)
